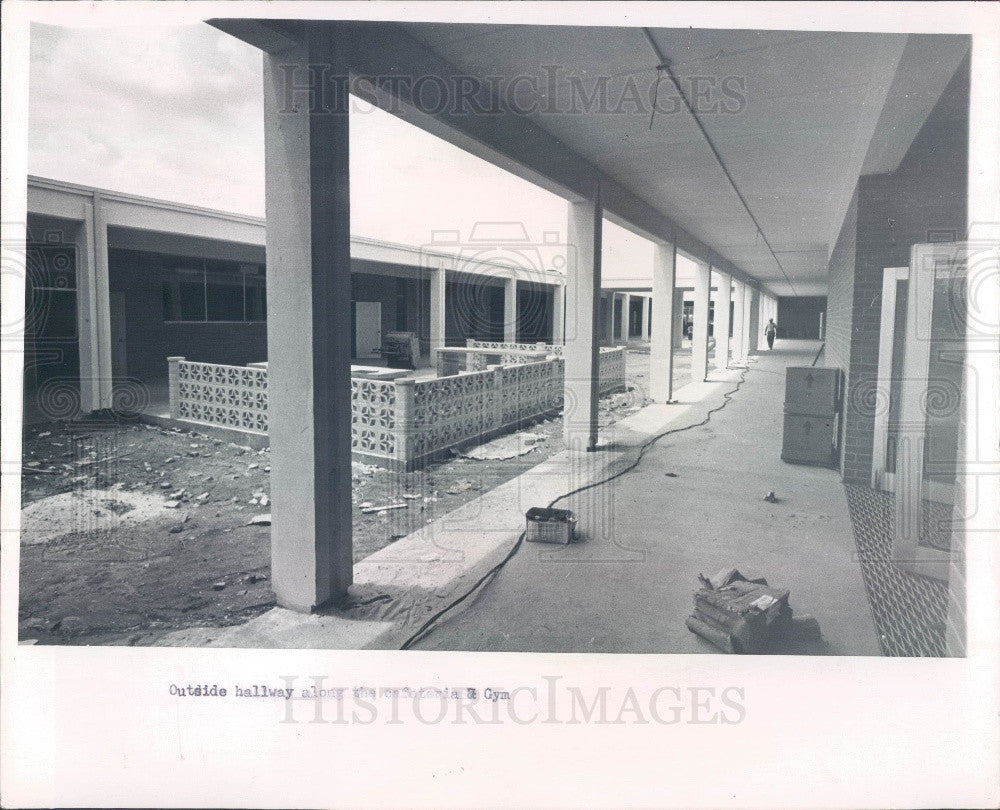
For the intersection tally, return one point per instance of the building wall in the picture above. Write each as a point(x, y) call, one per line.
point(150, 338)
point(798, 317)
point(923, 200)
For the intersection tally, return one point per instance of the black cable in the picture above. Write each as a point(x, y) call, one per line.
point(428, 625)
point(822, 346)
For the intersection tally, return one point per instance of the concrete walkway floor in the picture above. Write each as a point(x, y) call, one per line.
point(693, 505)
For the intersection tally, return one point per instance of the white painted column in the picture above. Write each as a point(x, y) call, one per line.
point(646, 303)
point(558, 314)
point(581, 353)
point(510, 315)
point(739, 322)
point(93, 312)
point(723, 298)
point(439, 283)
point(755, 329)
point(699, 344)
point(626, 316)
point(678, 318)
point(608, 332)
point(661, 347)
point(307, 170)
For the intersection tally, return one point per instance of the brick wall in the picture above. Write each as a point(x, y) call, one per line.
point(840, 299)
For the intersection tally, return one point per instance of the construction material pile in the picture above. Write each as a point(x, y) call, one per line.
point(740, 615)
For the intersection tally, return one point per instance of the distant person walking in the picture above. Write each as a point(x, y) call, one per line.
point(769, 332)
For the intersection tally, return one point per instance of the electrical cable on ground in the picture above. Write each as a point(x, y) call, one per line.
point(428, 625)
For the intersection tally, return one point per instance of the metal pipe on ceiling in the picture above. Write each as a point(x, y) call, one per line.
point(664, 65)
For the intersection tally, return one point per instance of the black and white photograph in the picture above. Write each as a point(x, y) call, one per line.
point(656, 343)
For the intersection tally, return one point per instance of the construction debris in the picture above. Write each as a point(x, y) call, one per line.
point(506, 447)
point(740, 615)
point(368, 510)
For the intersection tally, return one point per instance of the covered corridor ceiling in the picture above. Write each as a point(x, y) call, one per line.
point(795, 116)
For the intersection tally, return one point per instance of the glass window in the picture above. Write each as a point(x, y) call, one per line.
point(254, 292)
point(197, 290)
point(183, 291)
point(224, 291)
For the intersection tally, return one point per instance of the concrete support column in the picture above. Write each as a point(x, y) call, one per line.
point(699, 343)
point(608, 328)
point(626, 316)
point(558, 314)
point(174, 386)
point(510, 315)
point(439, 283)
point(755, 328)
point(93, 313)
point(646, 303)
point(678, 318)
point(307, 173)
point(739, 322)
point(723, 298)
point(665, 319)
point(582, 350)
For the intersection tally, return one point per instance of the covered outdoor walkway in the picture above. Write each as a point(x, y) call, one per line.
point(694, 505)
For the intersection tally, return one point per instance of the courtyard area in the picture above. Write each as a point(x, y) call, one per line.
point(131, 531)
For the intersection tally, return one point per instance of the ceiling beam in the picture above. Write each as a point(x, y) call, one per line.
point(386, 61)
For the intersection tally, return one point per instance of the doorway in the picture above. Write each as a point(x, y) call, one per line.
point(928, 432)
point(367, 329)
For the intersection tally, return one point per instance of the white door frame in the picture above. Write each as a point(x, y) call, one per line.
point(891, 277)
point(927, 263)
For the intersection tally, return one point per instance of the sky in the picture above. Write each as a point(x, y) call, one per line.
point(177, 113)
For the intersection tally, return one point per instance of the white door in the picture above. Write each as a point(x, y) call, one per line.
point(367, 329)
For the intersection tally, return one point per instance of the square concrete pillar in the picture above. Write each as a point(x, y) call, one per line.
point(309, 322)
point(739, 322)
point(755, 329)
point(626, 317)
point(93, 314)
point(439, 283)
point(582, 350)
point(558, 314)
point(646, 302)
point(699, 341)
point(678, 318)
point(608, 329)
point(664, 325)
point(510, 315)
point(723, 298)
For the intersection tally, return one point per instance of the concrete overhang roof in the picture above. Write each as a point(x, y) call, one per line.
point(795, 116)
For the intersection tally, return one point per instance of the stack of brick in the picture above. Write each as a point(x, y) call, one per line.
point(738, 615)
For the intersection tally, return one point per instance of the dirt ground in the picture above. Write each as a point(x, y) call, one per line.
point(130, 531)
